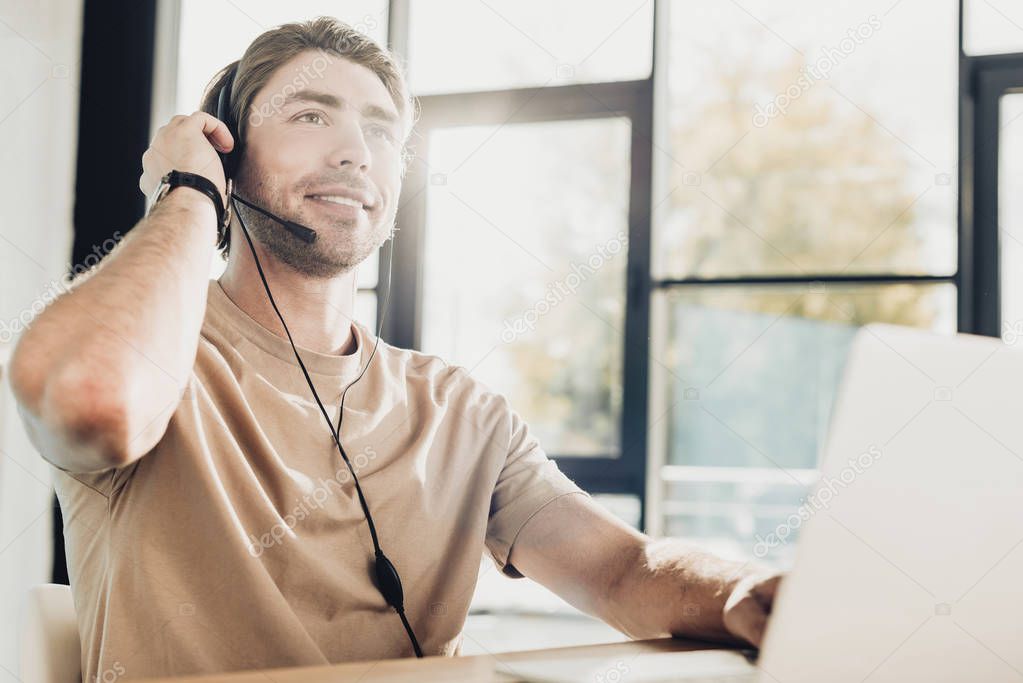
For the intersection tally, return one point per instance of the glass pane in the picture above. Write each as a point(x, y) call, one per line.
point(217, 265)
point(366, 308)
point(749, 376)
point(366, 276)
point(992, 26)
point(214, 34)
point(804, 137)
point(524, 270)
point(1010, 215)
point(622, 505)
point(526, 43)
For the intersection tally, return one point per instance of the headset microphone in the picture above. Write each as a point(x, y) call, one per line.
point(307, 235)
point(388, 582)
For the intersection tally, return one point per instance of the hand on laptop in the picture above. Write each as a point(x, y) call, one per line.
point(749, 606)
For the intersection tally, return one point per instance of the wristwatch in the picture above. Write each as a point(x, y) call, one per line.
point(200, 183)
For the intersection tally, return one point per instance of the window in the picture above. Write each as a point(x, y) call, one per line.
point(794, 148)
point(750, 377)
point(524, 270)
point(515, 247)
point(526, 43)
point(992, 27)
point(1010, 215)
point(805, 185)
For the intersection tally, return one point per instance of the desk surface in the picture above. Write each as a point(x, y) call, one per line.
point(475, 668)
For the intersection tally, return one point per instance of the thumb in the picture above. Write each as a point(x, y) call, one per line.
point(747, 619)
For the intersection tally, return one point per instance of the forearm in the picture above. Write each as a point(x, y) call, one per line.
point(124, 339)
point(671, 588)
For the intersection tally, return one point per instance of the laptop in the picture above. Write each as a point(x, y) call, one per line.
point(909, 565)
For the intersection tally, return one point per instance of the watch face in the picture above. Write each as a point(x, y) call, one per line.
point(175, 179)
point(161, 190)
point(228, 212)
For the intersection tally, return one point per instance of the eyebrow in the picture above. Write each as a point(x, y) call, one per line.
point(370, 111)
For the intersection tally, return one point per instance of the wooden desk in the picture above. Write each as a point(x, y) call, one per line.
point(474, 669)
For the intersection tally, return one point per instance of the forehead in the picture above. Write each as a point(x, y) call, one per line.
point(315, 70)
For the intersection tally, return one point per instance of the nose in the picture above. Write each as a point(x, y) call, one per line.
point(350, 150)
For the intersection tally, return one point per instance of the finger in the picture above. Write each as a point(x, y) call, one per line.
point(765, 591)
point(756, 629)
point(215, 131)
point(747, 620)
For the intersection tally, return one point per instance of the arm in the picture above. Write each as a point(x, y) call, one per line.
point(645, 588)
point(99, 373)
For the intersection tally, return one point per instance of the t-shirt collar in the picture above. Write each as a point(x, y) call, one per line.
point(279, 347)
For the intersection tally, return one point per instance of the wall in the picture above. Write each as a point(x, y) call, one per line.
point(39, 62)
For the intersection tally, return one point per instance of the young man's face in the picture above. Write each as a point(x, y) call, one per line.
point(322, 127)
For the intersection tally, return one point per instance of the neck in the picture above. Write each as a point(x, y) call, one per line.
point(319, 312)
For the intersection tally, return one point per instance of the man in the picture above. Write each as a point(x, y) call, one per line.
point(210, 522)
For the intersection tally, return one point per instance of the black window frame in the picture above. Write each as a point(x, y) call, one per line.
point(619, 473)
point(983, 79)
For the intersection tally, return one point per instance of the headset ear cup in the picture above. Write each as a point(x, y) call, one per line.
point(228, 159)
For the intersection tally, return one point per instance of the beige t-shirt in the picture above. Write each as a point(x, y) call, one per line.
point(238, 542)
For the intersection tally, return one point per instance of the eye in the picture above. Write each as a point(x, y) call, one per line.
point(306, 115)
point(383, 132)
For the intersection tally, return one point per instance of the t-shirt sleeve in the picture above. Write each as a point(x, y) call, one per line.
point(528, 482)
point(104, 482)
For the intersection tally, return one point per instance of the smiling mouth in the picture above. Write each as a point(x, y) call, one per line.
point(340, 201)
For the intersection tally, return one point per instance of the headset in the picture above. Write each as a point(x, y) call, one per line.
point(387, 580)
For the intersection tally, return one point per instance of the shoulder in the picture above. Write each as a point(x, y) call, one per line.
point(446, 383)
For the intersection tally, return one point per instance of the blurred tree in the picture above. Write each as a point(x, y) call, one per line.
point(821, 188)
point(570, 366)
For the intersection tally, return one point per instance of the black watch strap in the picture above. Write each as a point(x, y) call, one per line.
point(200, 183)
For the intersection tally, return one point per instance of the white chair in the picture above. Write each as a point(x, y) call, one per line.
point(51, 650)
